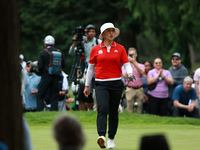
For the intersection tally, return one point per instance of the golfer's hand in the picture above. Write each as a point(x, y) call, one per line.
point(86, 91)
point(131, 77)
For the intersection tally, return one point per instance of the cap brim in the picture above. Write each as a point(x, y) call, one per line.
point(176, 56)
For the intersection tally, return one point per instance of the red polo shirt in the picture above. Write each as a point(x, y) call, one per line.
point(108, 61)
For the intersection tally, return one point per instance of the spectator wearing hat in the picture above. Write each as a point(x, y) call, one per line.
point(48, 81)
point(178, 72)
point(31, 88)
point(106, 59)
point(181, 96)
point(21, 61)
point(89, 41)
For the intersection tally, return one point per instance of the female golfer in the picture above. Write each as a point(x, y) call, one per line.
point(106, 59)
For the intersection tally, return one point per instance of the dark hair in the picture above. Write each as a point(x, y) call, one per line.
point(148, 62)
point(155, 142)
point(68, 132)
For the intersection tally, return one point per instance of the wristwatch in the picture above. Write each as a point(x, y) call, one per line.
point(160, 78)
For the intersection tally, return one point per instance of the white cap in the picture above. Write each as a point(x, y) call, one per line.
point(21, 56)
point(49, 40)
point(106, 26)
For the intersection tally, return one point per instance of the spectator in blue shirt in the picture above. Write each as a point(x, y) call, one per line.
point(31, 88)
point(181, 96)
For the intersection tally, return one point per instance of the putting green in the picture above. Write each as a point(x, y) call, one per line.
point(180, 137)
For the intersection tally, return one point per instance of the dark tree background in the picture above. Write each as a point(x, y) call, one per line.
point(156, 28)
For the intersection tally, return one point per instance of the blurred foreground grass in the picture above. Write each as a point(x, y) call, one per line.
point(181, 133)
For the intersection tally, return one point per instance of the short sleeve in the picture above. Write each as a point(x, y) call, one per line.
point(176, 95)
point(196, 75)
point(168, 74)
point(93, 56)
point(124, 56)
point(150, 74)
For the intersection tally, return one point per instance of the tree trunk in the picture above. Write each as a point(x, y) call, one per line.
point(10, 103)
point(192, 58)
point(127, 39)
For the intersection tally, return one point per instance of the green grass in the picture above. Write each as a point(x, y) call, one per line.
point(181, 133)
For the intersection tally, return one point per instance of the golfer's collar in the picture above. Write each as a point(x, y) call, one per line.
point(112, 45)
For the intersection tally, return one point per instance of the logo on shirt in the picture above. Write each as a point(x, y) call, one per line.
point(116, 51)
point(100, 52)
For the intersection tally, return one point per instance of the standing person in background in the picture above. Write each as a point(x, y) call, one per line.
point(107, 58)
point(148, 65)
point(178, 72)
point(23, 83)
point(197, 85)
point(31, 88)
point(64, 87)
point(89, 41)
point(26, 132)
point(21, 60)
point(48, 81)
point(134, 91)
point(158, 97)
point(193, 86)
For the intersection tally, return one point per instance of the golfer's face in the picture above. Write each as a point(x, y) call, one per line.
point(109, 34)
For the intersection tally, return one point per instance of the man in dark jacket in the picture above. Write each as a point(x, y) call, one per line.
point(48, 81)
point(178, 72)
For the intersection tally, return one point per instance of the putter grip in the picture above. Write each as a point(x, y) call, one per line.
point(132, 77)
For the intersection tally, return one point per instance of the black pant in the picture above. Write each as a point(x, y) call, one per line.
point(108, 94)
point(51, 83)
point(176, 112)
point(158, 106)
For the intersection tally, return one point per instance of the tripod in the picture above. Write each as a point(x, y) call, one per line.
point(75, 67)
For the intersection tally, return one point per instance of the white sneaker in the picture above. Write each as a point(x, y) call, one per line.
point(110, 144)
point(101, 141)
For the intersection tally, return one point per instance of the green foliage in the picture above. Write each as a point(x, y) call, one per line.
point(155, 28)
point(59, 19)
point(172, 22)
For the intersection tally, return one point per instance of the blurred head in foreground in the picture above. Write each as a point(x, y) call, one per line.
point(68, 132)
point(154, 142)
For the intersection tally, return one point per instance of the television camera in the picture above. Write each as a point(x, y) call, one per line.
point(75, 72)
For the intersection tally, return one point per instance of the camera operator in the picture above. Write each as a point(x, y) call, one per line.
point(88, 41)
point(48, 81)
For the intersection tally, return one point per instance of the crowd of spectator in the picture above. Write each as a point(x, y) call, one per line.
point(155, 90)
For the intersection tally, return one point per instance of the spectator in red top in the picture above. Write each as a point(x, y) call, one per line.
point(106, 59)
